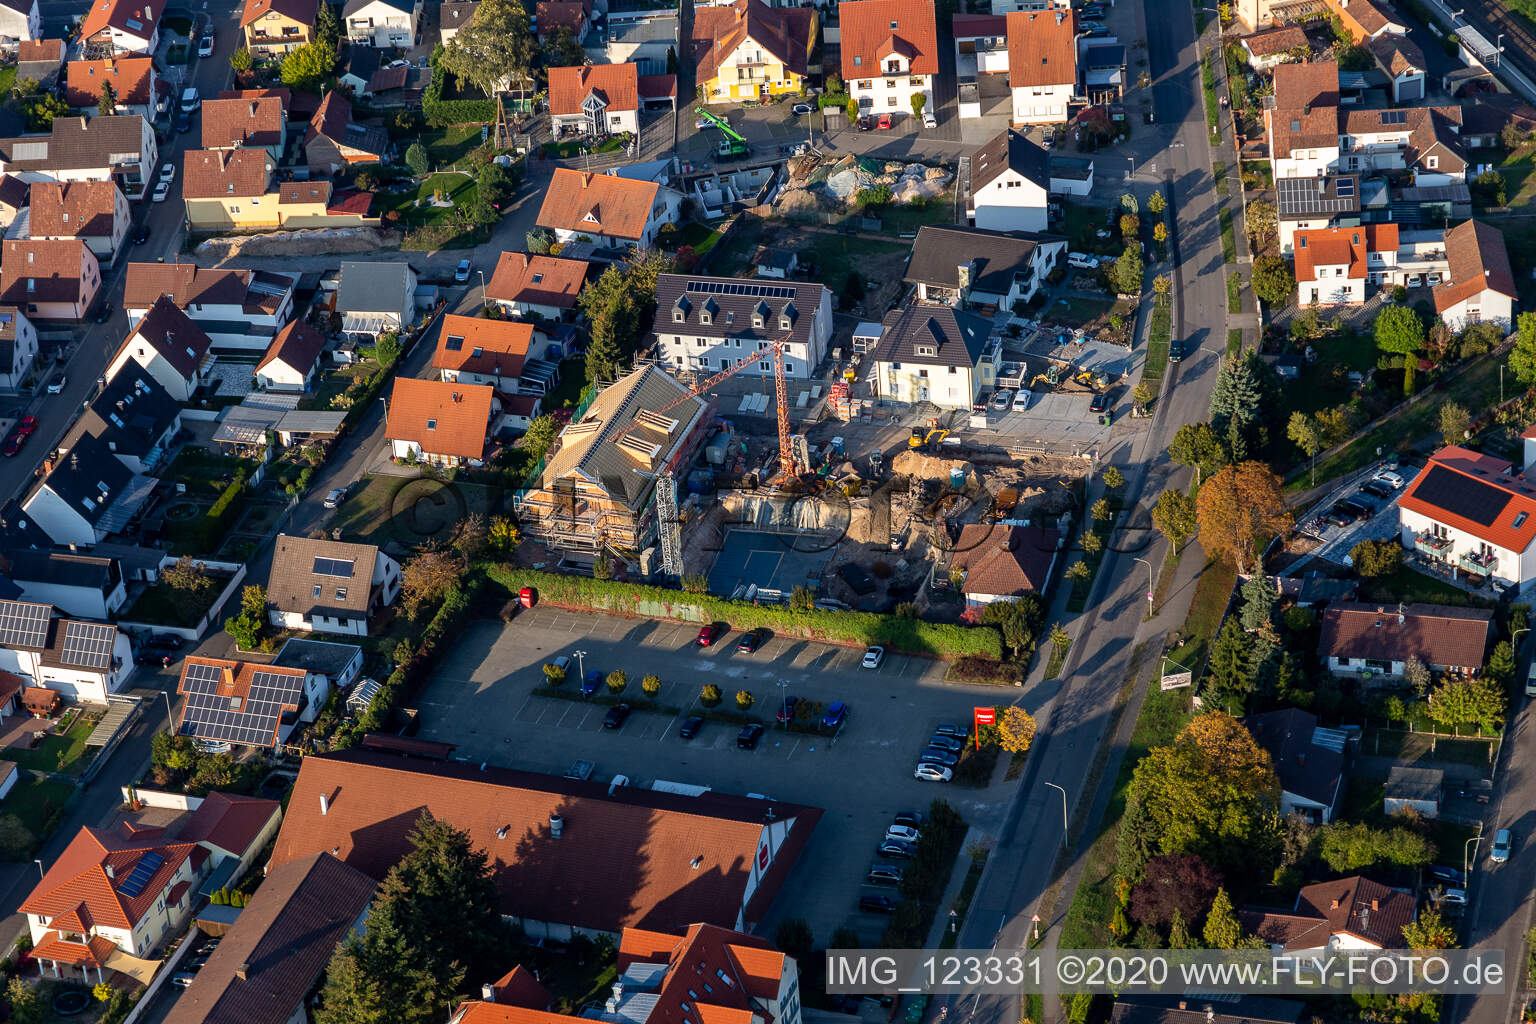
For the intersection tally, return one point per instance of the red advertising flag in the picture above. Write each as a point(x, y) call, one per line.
point(984, 716)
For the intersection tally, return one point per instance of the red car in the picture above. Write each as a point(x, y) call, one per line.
point(884, 122)
point(26, 426)
point(708, 635)
point(13, 444)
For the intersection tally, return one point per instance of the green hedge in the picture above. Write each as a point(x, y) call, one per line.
point(441, 113)
point(447, 622)
point(910, 636)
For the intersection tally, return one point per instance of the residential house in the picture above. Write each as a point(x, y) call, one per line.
point(230, 189)
point(706, 323)
point(972, 267)
point(49, 279)
point(135, 417)
point(395, 87)
point(1366, 20)
point(18, 531)
point(1153, 1008)
point(245, 703)
point(1334, 265)
point(1102, 65)
point(363, 804)
point(548, 15)
point(1483, 122)
point(747, 50)
point(79, 585)
point(358, 66)
point(40, 60)
point(240, 310)
point(936, 354)
point(380, 22)
point(1303, 124)
point(455, 14)
point(74, 659)
point(1348, 913)
point(86, 495)
point(890, 53)
point(256, 123)
point(95, 212)
point(1303, 204)
point(981, 59)
point(594, 99)
point(1004, 563)
point(273, 957)
point(1309, 761)
point(340, 664)
point(319, 204)
point(538, 286)
point(1468, 512)
point(327, 586)
point(135, 86)
point(121, 26)
point(335, 141)
point(373, 298)
point(1481, 288)
point(608, 209)
point(1423, 140)
point(658, 976)
point(273, 28)
point(1276, 46)
point(169, 347)
point(439, 422)
point(18, 347)
point(598, 489)
point(115, 896)
point(1370, 641)
point(1042, 67)
point(117, 147)
point(15, 196)
point(1415, 791)
point(21, 21)
point(474, 350)
point(292, 358)
point(1401, 60)
point(1010, 184)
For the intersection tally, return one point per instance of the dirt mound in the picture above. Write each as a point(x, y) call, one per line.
point(318, 242)
point(927, 467)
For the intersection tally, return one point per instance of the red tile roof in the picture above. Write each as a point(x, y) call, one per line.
point(615, 84)
point(539, 280)
point(1042, 48)
point(298, 345)
point(442, 418)
point(1306, 114)
point(637, 858)
point(301, 11)
point(82, 954)
point(974, 26)
point(93, 868)
point(117, 14)
point(304, 192)
point(1360, 907)
point(245, 122)
point(784, 33)
point(80, 209)
point(551, 14)
point(30, 50)
point(868, 36)
point(473, 344)
point(1482, 469)
point(600, 204)
point(1437, 635)
point(281, 92)
point(1478, 262)
point(1004, 561)
point(1333, 247)
point(350, 202)
point(130, 78)
point(55, 266)
point(230, 822)
point(658, 87)
point(226, 173)
point(1280, 40)
point(1361, 18)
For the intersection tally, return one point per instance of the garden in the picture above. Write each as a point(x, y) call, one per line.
point(62, 750)
point(32, 811)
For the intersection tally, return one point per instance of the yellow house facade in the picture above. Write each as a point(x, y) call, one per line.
point(277, 27)
point(234, 213)
point(750, 51)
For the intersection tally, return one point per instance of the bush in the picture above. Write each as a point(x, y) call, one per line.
point(744, 699)
point(554, 675)
point(618, 679)
point(907, 636)
point(650, 685)
point(709, 695)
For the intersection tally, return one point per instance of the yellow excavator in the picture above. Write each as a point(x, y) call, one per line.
point(922, 439)
point(1090, 379)
point(1051, 376)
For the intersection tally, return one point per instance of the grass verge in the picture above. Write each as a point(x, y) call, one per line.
point(1057, 659)
point(962, 904)
point(1208, 86)
point(1234, 341)
point(1234, 293)
point(1159, 337)
point(1228, 237)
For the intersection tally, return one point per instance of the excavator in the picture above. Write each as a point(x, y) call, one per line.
point(731, 144)
point(1090, 379)
point(924, 438)
point(1051, 376)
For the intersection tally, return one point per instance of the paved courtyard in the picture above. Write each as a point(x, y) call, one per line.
point(482, 700)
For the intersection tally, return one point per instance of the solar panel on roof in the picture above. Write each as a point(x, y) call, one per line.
point(24, 624)
point(334, 567)
point(88, 644)
point(1394, 117)
point(1462, 495)
point(253, 722)
point(1344, 187)
point(143, 871)
point(767, 291)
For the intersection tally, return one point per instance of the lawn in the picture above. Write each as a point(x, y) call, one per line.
point(1234, 341)
point(160, 605)
point(448, 145)
point(334, 382)
point(1228, 236)
point(907, 219)
point(1212, 591)
point(1081, 226)
point(7, 80)
point(1363, 803)
point(1219, 175)
point(838, 255)
point(35, 801)
point(1158, 339)
point(573, 381)
point(415, 208)
point(701, 237)
point(59, 752)
point(410, 511)
point(1077, 310)
point(575, 978)
point(206, 474)
point(1410, 585)
point(1234, 292)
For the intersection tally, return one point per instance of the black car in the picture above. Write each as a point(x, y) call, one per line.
point(1360, 510)
point(164, 641)
point(615, 717)
point(749, 642)
point(1450, 876)
point(141, 234)
point(1091, 11)
point(913, 819)
point(1341, 515)
point(105, 314)
point(1377, 489)
point(1175, 352)
point(690, 727)
point(1099, 403)
point(878, 904)
point(157, 658)
point(897, 848)
point(949, 743)
point(748, 737)
point(183, 122)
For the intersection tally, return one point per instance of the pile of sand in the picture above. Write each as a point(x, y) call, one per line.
point(927, 467)
point(315, 242)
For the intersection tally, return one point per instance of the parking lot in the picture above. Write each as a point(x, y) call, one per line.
point(482, 700)
point(1336, 540)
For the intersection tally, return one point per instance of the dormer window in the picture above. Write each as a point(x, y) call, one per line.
point(927, 350)
point(706, 317)
point(784, 323)
point(757, 319)
point(678, 316)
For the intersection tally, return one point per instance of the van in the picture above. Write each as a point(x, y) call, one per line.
point(190, 100)
point(1530, 681)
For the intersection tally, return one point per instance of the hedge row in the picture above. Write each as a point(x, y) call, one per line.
point(441, 113)
point(448, 622)
point(910, 636)
point(201, 536)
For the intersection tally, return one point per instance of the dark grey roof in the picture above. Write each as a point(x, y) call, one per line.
point(362, 61)
point(1405, 783)
point(1009, 151)
point(1306, 769)
point(13, 191)
point(132, 412)
point(1333, 195)
point(958, 339)
point(20, 530)
point(328, 659)
point(993, 256)
point(373, 287)
point(1147, 1008)
point(89, 479)
point(731, 303)
point(1098, 58)
point(61, 568)
point(77, 144)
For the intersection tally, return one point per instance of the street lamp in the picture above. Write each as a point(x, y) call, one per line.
point(1151, 582)
point(1063, 813)
point(581, 665)
point(1498, 47)
point(40, 872)
point(482, 286)
point(1132, 161)
point(1466, 867)
point(783, 685)
point(170, 723)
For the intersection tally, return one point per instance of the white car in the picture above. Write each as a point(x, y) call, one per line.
point(461, 272)
point(1082, 260)
point(932, 773)
point(929, 121)
point(190, 100)
point(902, 833)
point(162, 191)
point(1021, 400)
point(1456, 896)
point(205, 46)
point(1392, 479)
point(334, 498)
point(874, 656)
point(1002, 400)
point(168, 172)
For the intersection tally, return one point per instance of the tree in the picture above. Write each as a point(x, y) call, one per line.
point(240, 60)
point(1417, 675)
point(1260, 597)
point(186, 576)
point(1176, 884)
point(744, 699)
point(618, 306)
point(1353, 846)
point(307, 67)
point(425, 577)
point(26, 1001)
point(1438, 342)
point(1160, 234)
point(1091, 541)
point(15, 838)
point(1128, 274)
point(1373, 559)
point(1197, 445)
point(1246, 392)
point(471, 537)
point(618, 681)
point(1174, 516)
point(1229, 679)
point(1399, 331)
point(495, 48)
point(1221, 928)
point(1522, 358)
point(1178, 932)
point(793, 936)
point(1304, 431)
point(1261, 220)
point(1500, 669)
point(650, 686)
point(554, 675)
point(246, 626)
point(1273, 281)
point(1101, 510)
point(1130, 227)
point(1429, 931)
point(1078, 570)
point(503, 535)
point(602, 567)
point(1239, 507)
point(1018, 621)
point(1162, 288)
point(386, 351)
point(107, 105)
point(802, 598)
point(919, 101)
point(1477, 701)
point(40, 108)
point(327, 27)
point(1156, 204)
point(416, 159)
point(561, 50)
point(1016, 729)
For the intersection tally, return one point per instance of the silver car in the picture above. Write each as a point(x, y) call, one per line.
point(1503, 842)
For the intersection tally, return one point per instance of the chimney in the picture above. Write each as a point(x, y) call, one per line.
point(111, 873)
point(243, 972)
point(1333, 904)
point(556, 826)
point(487, 993)
point(325, 805)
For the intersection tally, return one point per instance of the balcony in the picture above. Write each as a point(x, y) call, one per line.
point(1483, 565)
point(1426, 541)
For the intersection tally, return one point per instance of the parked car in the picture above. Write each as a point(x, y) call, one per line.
point(1457, 897)
point(335, 497)
point(102, 316)
point(155, 658)
point(13, 444)
point(1098, 403)
point(874, 657)
point(616, 716)
point(183, 122)
point(591, 682)
point(877, 904)
point(747, 738)
point(1357, 509)
point(749, 642)
point(884, 873)
point(897, 848)
point(935, 755)
point(708, 635)
point(902, 833)
point(164, 641)
point(581, 771)
point(801, 109)
point(1503, 843)
point(161, 193)
point(927, 771)
point(1341, 515)
point(690, 727)
point(190, 100)
point(929, 121)
point(26, 426)
point(1002, 400)
point(461, 272)
point(205, 46)
point(786, 712)
point(884, 122)
point(1390, 478)
point(1021, 400)
point(56, 385)
point(183, 979)
point(941, 742)
point(1082, 260)
point(955, 729)
point(866, 123)
point(837, 714)
point(1377, 489)
point(1450, 876)
point(1175, 352)
point(916, 819)
point(141, 234)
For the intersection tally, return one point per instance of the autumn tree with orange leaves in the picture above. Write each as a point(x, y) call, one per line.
point(1239, 507)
